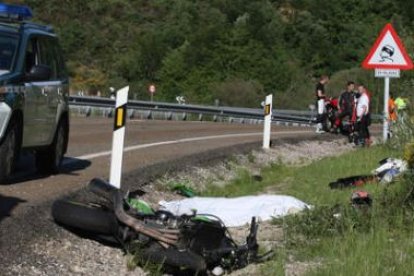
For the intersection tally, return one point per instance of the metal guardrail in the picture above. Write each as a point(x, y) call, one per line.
point(246, 113)
point(279, 115)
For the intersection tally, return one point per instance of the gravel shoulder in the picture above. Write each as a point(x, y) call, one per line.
point(31, 244)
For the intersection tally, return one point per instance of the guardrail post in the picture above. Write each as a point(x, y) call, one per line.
point(109, 113)
point(88, 111)
point(184, 116)
point(200, 117)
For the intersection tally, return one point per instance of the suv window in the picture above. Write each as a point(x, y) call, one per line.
point(8, 45)
point(58, 60)
point(61, 69)
point(32, 54)
point(44, 50)
point(48, 55)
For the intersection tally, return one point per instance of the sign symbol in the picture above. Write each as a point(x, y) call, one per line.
point(180, 99)
point(386, 53)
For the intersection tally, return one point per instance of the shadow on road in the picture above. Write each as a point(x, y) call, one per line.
point(70, 165)
point(7, 204)
point(26, 169)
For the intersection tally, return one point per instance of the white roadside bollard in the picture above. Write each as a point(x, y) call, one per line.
point(118, 137)
point(267, 121)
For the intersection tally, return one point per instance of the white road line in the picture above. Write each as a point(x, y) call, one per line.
point(185, 140)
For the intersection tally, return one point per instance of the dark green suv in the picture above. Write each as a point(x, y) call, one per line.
point(34, 89)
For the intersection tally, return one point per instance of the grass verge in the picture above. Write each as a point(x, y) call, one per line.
point(377, 242)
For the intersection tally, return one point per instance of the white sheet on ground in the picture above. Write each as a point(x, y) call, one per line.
point(237, 211)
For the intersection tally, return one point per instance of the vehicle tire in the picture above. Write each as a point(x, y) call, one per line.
point(171, 257)
point(9, 150)
point(49, 160)
point(84, 217)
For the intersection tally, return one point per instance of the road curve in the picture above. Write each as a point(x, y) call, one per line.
point(147, 143)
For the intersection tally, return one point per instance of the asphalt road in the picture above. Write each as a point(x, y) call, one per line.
point(147, 144)
point(152, 148)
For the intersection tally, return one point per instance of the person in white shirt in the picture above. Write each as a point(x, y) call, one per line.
point(320, 103)
point(363, 117)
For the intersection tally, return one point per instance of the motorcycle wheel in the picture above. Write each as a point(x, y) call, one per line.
point(173, 258)
point(84, 217)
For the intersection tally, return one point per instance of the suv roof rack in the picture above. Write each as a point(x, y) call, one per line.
point(28, 24)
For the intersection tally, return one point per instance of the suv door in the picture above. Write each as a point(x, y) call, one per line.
point(52, 89)
point(41, 95)
point(35, 124)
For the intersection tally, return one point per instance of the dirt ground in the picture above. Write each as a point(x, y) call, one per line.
point(269, 236)
point(63, 253)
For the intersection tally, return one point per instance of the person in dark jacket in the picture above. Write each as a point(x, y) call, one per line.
point(346, 105)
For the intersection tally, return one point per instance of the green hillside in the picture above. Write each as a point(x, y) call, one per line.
point(233, 50)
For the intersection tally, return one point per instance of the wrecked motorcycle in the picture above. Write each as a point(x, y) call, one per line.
point(196, 243)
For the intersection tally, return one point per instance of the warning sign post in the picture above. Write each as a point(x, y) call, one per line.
point(388, 56)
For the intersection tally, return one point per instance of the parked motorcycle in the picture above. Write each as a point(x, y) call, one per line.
point(346, 126)
point(331, 106)
point(196, 243)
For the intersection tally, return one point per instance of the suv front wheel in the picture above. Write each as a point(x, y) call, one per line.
point(50, 159)
point(8, 152)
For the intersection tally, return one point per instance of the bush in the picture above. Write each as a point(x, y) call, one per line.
point(409, 154)
point(240, 93)
point(403, 131)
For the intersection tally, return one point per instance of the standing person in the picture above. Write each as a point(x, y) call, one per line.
point(363, 117)
point(392, 109)
point(392, 113)
point(345, 104)
point(320, 103)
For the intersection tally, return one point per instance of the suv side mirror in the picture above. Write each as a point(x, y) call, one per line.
point(39, 72)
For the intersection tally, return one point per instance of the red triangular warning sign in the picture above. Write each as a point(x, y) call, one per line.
point(388, 52)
